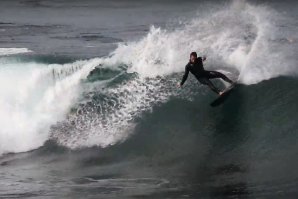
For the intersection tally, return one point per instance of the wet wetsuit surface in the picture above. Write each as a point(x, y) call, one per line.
point(203, 76)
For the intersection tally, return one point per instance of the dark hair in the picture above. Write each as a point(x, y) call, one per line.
point(194, 54)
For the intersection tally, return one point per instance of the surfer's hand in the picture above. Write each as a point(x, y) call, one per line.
point(179, 85)
point(204, 58)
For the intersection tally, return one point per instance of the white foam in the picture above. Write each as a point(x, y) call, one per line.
point(31, 100)
point(240, 37)
point(111, 120)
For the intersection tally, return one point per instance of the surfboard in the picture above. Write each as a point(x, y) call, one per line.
point(218, 101)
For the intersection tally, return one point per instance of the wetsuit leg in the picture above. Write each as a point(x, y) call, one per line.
point(207, 82)
point(215, 74)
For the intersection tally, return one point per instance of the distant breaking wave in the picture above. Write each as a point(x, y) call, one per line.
point(13, 51)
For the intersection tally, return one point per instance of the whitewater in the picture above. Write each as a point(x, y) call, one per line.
point(41, 101)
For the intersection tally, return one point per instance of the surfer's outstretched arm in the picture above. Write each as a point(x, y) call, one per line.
point(184, 78)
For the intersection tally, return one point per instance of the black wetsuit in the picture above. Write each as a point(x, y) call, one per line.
point(203, 75)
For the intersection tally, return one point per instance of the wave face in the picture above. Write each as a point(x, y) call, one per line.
point(97, 102)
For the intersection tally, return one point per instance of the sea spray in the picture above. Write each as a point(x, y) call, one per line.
point(239, 39)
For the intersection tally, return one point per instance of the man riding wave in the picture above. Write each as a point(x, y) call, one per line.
point(195, 66)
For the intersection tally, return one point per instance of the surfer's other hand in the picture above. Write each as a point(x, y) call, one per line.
point(179, 85)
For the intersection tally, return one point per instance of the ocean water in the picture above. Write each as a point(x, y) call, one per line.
point(89, 105)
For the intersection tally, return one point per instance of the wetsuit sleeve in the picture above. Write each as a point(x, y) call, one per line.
point(185, 75)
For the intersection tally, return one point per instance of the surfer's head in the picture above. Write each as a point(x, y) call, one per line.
point(193, 57)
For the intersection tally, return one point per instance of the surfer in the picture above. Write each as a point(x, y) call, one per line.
point(195, 66)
